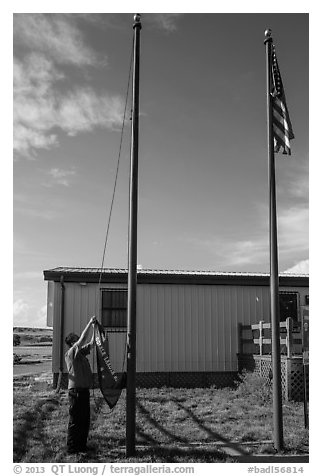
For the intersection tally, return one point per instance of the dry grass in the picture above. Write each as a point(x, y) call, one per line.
point(173, 425)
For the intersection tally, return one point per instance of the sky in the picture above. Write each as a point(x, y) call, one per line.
point(203, 181)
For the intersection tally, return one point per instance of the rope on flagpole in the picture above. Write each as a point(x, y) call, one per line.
point(115, 181)
point(97, 308)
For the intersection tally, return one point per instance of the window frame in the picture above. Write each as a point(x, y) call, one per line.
point(294, 293)
point(123, 326)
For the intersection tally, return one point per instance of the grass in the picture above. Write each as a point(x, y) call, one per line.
point(173, 425)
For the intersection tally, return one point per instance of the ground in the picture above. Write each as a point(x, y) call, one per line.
point(172, 425)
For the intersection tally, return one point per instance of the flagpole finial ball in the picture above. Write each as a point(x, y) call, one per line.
point(137, 18)
point(268, 33)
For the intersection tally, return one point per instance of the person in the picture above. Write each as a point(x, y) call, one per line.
point(79, 382)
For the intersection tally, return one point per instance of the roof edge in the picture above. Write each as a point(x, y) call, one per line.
point(154, 276)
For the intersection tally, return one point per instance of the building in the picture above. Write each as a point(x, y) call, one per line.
point(187, 322)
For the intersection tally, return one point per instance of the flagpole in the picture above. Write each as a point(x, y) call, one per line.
point(274, 280)
point(132, 249)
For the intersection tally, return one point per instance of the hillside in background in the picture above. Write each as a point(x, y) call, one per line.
point(34, 335)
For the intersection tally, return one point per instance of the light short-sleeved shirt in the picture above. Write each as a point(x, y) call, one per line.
point(79, 369)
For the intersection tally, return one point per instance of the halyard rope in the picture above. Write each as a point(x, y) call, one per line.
point(111, 210)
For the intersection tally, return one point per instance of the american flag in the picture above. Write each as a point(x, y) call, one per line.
point(282, 127)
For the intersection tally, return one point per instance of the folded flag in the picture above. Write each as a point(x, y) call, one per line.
point(110, 384)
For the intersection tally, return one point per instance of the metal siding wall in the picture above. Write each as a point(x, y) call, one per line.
point(179, 327)
point(56, 328)
point(218, 316)
point(194, 327)
point(80, 304)
point(50, 303)
point(181, 348)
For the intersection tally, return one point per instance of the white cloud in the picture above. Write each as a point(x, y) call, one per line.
point(54, 35)
point(20, 310)
point(26, 140)
point(300, 268)
point(60, 177)
point(295, 180)
point(293, 230)
point(42, 315)
point(293, 242)
point(43, 105)
point(246, 252)
point(299, 187)
point(26, 315)
point(232, 253)
point(163, 21)
point(40, 110)
point(83, 109)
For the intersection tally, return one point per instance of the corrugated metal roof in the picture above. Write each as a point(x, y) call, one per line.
point(152, 272)
point(162, 276)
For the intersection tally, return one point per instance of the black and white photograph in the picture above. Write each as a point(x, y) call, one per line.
point(160, 240)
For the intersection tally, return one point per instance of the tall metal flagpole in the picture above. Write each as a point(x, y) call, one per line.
point(274, 284)
point(132, 250)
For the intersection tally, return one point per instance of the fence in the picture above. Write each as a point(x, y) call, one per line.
point(256, 338)
point(255, 355)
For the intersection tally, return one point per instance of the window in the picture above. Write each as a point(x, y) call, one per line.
point(288, 306)
point(114, 309)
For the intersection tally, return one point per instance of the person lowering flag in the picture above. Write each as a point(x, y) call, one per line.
point(79, 382)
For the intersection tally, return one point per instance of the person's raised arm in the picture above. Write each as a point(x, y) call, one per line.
point(85, 334)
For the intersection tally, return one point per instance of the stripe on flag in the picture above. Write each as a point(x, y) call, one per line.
point(282, 127)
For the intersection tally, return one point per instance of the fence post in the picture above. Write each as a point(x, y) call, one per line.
point(289, 336)
point(260, 327)
point(261, 337)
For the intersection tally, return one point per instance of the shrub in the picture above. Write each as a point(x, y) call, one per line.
point(16, 359)
point(254, 387)
point(45, 339)
point(16, 339)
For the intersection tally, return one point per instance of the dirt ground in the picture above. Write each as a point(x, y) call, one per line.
point(35, 360)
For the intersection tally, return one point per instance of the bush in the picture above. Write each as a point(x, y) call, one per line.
point(16, 359)
point(16, 339)
point(254, 387)
point(45, 339)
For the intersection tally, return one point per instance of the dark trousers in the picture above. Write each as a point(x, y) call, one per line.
point(79, 418)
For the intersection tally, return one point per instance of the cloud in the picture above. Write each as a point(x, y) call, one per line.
point(60, 177)
point(27, 315)
point(163, 21)
point(300, 268)
point(234, 253)
point(40, 110)
point(299, 187)
point(45, 104)
point(20, 310)
point(293, 230)
point(42, 315)
point(293, 241)
point(54, 35)
point(295, 181)
point(83, 109)
point(26, 140)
